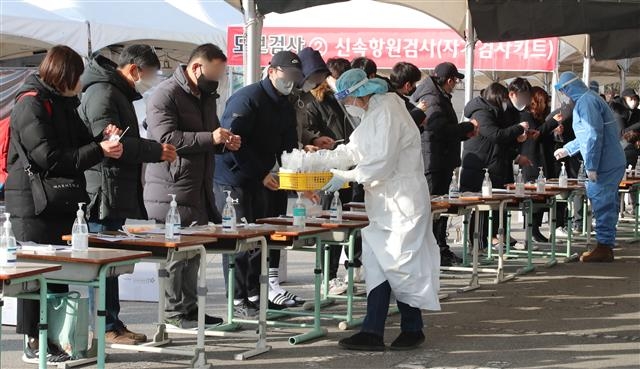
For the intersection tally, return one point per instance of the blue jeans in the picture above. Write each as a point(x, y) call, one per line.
point(378, 308)
point(112, 293)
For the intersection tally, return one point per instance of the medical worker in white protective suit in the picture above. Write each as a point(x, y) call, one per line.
point(598, 140)
point(400, 253)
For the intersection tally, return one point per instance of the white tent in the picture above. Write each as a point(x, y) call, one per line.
point(26, 28)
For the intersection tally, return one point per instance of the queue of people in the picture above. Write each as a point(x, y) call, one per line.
point(402, 135)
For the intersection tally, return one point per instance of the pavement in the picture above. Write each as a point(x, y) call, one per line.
point(572, 315)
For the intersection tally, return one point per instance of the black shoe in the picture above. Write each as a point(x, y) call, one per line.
point(407, 341)
point(363, 342)
point(538, 236)
point(246, 310)
point(448, 258)
point(208, 319)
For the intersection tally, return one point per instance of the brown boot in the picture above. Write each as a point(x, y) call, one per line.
point(601, 254)
point(118, 336)
point(138, 337)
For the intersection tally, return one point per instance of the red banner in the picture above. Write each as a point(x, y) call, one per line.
point(425, 48)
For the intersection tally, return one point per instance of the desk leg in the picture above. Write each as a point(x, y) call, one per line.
point(102, 315)
point(261, 345)
point(349, 322)
point(552, 233)
point(317, 330)
point(465, 238)
point(474, 283)
point(42, 348)
point(529, 242)
point(161, 337)
point(200, 357)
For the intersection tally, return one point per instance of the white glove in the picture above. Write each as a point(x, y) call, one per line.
point(340, 177)
point(561, 153)
point(592, 175)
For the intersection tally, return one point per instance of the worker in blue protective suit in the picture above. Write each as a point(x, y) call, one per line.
point(598, 140)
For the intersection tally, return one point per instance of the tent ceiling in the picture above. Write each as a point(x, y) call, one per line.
point(282, 6)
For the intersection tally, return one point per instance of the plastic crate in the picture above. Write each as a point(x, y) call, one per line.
point(305, 181)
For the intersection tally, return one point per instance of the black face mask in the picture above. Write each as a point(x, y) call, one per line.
point(205, 85)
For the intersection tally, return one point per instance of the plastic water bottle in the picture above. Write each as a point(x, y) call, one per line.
point(540, 182)
point(454, 190)
point(8, 247)
point(637, 171)
point(335, 210)
point(519, 184)
point(563, 180)
point(80, 231)
point(487, 186)
point(172, 221)
point(299, 212)
point(582, 175)
point(229, 215)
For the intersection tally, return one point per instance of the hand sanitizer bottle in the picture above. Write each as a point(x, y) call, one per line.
point(540, 182)
point(8, 247)
point(563, 180)
point(582, 175)
point(519, 184)
point(487, 186)
point(335, 210)
point(454, 191)
point(172, 221)
point(80, 231)
point(299, 212)
point(229, 215)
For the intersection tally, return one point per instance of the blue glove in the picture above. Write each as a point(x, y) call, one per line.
point(340, 177)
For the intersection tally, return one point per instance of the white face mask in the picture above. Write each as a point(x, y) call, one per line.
point(143, 86)
point(283, 86)
point(564, 99)
point(355, 111)
point(308, 86)
point(632, 103)
point(504, 106)
point(518, 105)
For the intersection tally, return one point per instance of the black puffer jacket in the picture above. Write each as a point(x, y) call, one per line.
point(176, 116)
point(328, 118)
point(58, 144)
point(115, 186)
point(442, 133)
point(495, 147)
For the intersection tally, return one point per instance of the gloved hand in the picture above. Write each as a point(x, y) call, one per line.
point(592, 175)
point(561, 153)
point(340, 177)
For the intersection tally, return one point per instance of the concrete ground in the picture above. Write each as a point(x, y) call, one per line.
point(570, 316)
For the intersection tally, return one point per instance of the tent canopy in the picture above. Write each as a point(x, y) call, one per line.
point(27, 28)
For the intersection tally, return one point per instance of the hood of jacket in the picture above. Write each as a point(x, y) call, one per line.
point(103, 70)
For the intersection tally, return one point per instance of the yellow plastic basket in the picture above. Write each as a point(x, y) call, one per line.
point(305, 181)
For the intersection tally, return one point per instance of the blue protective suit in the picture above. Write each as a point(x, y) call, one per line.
point(598, 140)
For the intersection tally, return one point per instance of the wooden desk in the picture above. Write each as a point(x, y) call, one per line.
point(91, 268)
point(15, 281)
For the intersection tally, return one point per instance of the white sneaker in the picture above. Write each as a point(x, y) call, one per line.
point(522, 246)
point(337, 286)
point(358, 275)
point(561, 232)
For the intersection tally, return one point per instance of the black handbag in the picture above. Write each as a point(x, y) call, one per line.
point(60, 193)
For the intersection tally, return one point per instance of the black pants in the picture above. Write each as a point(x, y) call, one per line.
point(334, 252)
point(254, 202)
point(439, 185)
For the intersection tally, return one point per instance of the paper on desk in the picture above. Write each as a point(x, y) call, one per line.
point(32, 246)
point(114, 238)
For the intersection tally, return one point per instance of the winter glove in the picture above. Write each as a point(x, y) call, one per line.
point(592, 175)
point(561, 153)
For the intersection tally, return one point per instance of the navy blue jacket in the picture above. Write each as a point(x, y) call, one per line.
point(266, 121)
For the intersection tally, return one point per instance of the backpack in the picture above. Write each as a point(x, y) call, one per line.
point(5, 134)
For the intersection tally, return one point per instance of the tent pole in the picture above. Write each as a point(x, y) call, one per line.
point(623, 65)
point(554, 78)
point(586, 65)
point(469, 56)
point(253, 30)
